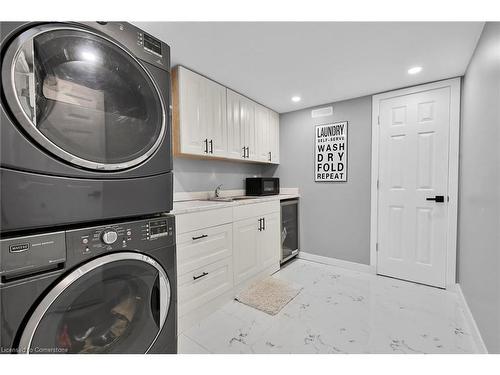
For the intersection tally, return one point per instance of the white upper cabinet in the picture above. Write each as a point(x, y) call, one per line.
point(190, 128)
point(274, 137)
point(215, 110)
point(242, 136)
point(213, 121)
point(199, 115)
point(235, 132)
point(267, 124)
point(262, 129)
point(248, 124)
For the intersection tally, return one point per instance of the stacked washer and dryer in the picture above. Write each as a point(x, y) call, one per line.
point(87, 258)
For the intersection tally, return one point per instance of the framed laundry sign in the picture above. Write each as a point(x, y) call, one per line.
point(331, 152)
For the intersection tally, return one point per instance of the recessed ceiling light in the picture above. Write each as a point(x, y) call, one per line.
point(415, 70)
point(296, 99)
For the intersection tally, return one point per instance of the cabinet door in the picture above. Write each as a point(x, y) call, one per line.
point(235, 133)
point(269, 241)
point(215, 117)
point(247, 111)
point(193, 131)
point(262, 125)
point(245, 252)
point(274, 136)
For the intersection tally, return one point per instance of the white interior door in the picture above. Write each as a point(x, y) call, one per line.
point(414, 131)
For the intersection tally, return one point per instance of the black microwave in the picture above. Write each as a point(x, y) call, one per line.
point(262, 186)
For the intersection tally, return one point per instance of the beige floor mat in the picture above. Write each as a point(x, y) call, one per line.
point(269, 295)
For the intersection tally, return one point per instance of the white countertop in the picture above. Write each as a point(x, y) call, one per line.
point(184, 207)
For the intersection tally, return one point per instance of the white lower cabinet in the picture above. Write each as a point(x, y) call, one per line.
point(215, 262)
point(203, 246)
point(256, 245)
point(203, 284)
point(246, 257)
point(269, 241)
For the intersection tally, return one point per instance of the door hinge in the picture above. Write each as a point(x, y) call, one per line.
point(378, 120)
point(376, 247)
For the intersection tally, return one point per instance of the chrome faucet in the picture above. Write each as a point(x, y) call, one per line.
point(217, 191)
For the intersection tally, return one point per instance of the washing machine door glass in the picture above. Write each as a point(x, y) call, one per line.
point(83, 97)
point(114, 304)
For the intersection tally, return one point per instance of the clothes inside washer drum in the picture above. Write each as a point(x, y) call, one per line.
point(101, 337)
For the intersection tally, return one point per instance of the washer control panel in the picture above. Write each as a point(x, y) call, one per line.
point(159, 228)
point(134, 236)
point(109, 236)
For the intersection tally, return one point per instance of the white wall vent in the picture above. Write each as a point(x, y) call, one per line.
point(322, 112)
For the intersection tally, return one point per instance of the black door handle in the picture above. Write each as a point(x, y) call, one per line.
point(248, 152)
point(244, 151)
point(270, 157)
point(437, 199)
point(211, 146)
point(263, 223)
point(199, 237)
point(206, 146)
point(199, 276)
point(260, 224)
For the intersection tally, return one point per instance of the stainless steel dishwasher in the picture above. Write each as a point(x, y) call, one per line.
point(289, 229)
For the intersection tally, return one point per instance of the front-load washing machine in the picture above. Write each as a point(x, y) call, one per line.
point(85, 124)
point(105, 289)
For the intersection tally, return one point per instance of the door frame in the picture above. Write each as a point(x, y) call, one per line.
point(453, 160)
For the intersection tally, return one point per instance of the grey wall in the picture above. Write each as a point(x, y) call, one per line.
point(479, 187)
point(205, 175)
point(335, 217)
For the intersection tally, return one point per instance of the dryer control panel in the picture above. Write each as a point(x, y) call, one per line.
point(139, 236)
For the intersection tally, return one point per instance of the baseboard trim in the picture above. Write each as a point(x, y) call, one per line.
point(337, 262)
point(471, 322)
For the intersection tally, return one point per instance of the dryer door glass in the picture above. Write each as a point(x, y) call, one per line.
point(86, 99)
point(116, 306)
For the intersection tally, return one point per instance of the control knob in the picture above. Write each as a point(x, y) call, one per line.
point(109, 236)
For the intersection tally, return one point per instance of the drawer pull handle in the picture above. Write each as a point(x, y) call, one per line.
point(200, 237)
point(200, 276)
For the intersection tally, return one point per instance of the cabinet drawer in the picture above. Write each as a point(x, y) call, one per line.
point(203, 219)
point(198, 287)
point(256, 209)
point(204, 246)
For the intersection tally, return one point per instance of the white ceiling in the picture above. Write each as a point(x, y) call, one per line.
point(321, 62)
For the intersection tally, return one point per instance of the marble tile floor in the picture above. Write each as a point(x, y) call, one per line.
point(338, 311)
